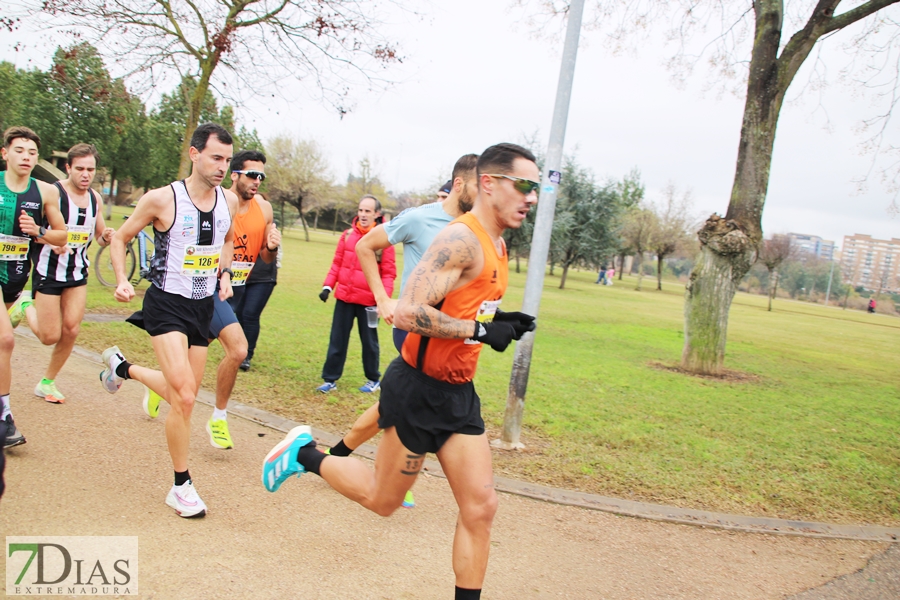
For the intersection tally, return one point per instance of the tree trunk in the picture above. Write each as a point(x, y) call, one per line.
point(565, 273)
point(622, 265)
point(726, 254)
point(518, 268)
point(334, 225)
point(302, 220)
point(316, 221)
point(728, 246)
point(195, 104)
point(773, 286)
point(659, 269)
point(552, 266)
point(639, 259)
point(111, 199)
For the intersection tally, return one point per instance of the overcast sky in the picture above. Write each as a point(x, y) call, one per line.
point(474, 76)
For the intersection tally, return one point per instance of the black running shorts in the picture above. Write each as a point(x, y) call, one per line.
point(426, 411)
point(12, 291)
point(51, 287)
point(164, 313)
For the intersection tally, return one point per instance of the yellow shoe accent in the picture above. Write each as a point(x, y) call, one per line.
point(218, 434)
point(151, 402)
point(16, 312)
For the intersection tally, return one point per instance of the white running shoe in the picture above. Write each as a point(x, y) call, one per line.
point(185, 501)
point(112, 358)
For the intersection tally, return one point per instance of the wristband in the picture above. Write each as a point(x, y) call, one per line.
point(271, 249)
point(229, 271)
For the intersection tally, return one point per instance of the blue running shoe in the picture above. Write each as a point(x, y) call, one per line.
point(370, 386)
point(326, 387)
point(408, 500)
point(281, 461)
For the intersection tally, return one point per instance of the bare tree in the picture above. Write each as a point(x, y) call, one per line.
point(298, 174)
point(331, 44)
point(638, 227)
point(772, 253)
point(671, 227)
point(753, 38)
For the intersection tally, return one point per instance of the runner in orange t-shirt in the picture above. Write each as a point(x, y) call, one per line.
point(428, 401)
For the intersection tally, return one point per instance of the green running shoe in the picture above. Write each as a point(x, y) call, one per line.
point(408, 500)
point(151, 402)
point(46, 389)
point(16, 312)
point(218, 434)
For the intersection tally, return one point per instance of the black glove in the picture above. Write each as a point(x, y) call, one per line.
point(323, 295)
point(497, 335)
point(523, 323)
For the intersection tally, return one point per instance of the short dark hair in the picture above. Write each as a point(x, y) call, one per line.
point(465, 165)
point(79, 150)
point(377, 202)
point(14, 133)
point(201, 135)
point(500, 158)
point(237, 162)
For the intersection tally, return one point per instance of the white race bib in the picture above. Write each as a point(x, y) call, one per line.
point(241, 272)
point(14, 247)
point(201, 261)
point(78, 236)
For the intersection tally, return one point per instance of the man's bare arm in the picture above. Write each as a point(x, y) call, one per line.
point(57, 234)
point(272, 238)
point(147, 211)
point(375, 240)
point(453, 260)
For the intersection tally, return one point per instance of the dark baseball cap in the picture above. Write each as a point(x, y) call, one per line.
point(447, 187)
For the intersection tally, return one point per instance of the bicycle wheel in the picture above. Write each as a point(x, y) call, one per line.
point(149, 249)
point(103, 268)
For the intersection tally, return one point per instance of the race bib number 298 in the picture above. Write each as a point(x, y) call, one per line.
point(13, 247)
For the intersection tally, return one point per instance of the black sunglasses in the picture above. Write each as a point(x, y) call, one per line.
point(524, 186)
point(257, 175)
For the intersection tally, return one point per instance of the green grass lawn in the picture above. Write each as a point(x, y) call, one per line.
point(813, 434)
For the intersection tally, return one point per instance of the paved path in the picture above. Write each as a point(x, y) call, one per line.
point(98, 466)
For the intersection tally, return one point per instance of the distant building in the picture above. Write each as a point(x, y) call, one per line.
point(870, 263)
point(812, 245)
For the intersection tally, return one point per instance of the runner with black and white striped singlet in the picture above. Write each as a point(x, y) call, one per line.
point(60, 272)
point(69, 264)
point(192, 224)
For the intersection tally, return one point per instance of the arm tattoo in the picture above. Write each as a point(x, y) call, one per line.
point(452, 252)
point(441, 259)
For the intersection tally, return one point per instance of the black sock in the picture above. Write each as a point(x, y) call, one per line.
point(122, 369)
point(182, 478)
point(464, 594)
point(310, 458)
point(341, 449)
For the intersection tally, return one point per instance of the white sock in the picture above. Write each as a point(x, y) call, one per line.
point(4, 407)
point(220, 414)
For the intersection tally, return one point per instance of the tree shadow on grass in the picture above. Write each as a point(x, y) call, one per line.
point(728, 375)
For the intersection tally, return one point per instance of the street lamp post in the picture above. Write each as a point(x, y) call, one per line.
point(540, 241)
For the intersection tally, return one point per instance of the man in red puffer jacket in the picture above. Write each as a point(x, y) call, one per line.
point(351, 299)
